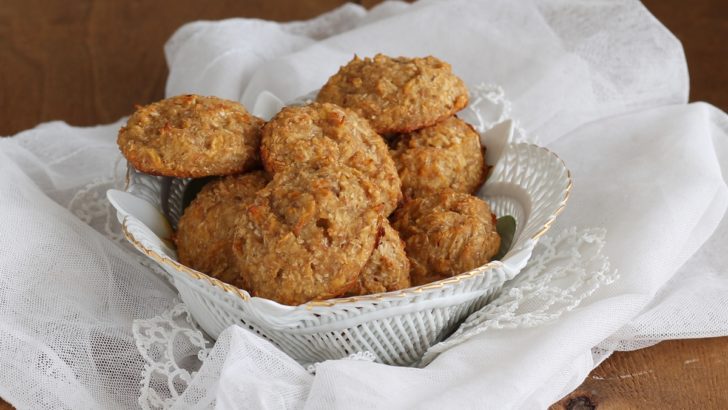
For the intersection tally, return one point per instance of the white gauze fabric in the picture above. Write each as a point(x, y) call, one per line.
point(603, 84)
point(69, 287)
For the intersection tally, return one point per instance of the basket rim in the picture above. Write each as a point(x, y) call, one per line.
point(411, 291)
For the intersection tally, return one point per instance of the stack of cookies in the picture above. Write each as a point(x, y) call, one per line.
point(367, 190)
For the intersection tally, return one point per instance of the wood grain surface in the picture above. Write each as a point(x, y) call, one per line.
point(88, 62)
point(679, 374)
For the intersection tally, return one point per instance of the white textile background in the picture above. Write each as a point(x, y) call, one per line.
point(601, 83)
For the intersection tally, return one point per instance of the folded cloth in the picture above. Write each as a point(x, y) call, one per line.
point(602, 84)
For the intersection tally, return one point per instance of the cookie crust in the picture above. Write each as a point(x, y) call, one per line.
point(321, 134)
point(205, 231)
point(307, 235)
point(192, 136)
point(445, 155)
point(387, 268)
point(445, 234)
point(397, 94)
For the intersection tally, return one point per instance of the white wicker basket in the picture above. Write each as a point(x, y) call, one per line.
point(528, 182)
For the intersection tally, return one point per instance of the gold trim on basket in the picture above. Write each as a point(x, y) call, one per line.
point(352, 299)
point(547, 225)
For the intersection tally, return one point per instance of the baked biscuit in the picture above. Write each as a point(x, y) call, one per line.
point(319, 135)
point(445, 234)
point(205, 232)
point(445, 155)
point(387, 268)
point(307, 235)
point(192, 136)
point(397, 94)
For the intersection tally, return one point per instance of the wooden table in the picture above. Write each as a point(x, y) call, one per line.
point(88, 62)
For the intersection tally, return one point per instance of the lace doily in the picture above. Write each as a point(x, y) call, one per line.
point(365, 356)
point(90, 205)
point(173, 348)
point(488, 107)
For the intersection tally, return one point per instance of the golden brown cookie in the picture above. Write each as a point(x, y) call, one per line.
point(397, 94)
point(205, 232)
point(192, 136)
point(387, 268)
point(319, 135)
point(307, 235)
point(445, 155)
point(445, 234)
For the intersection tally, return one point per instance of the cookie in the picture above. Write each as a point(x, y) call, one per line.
point(319, 135)
point(445, 234)
point(445, 155)
point(307, 235)
point(387, 268)
point(192, 136)
point(397, 94)
point(205, 232)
